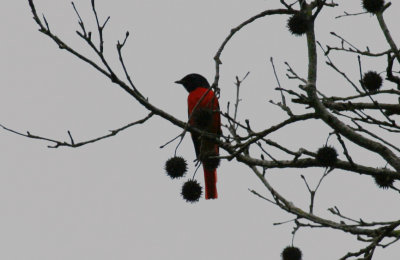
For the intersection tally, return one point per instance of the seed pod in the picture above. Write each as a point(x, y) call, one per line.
point(176, 167)
point(191, 191)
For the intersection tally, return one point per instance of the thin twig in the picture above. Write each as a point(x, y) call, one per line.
point(72, 144)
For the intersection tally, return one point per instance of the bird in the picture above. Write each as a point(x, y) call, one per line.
point(203, 113)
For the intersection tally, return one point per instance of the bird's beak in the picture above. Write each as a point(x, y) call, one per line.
point(179, 82)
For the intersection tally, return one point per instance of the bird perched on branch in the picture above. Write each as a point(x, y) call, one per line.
point(203, 113)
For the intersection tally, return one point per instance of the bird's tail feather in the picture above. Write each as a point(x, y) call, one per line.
point(210, 179)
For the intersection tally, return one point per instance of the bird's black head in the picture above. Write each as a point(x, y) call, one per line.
point(193, 81)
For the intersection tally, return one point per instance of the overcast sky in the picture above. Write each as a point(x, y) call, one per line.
point(112, 199)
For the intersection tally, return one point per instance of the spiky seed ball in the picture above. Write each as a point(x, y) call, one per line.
point(210, 162)
point(202, 118)
point(372, 81)
point(176, 167)
point(291, 253)
point(191, 191)
point(298, 24)
point(327, 156)
point(373, 6)
point(384, 181)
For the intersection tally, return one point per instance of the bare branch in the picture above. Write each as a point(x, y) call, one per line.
point(217, 57)
point(72, 144)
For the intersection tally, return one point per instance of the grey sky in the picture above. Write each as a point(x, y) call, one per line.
point(112, 199)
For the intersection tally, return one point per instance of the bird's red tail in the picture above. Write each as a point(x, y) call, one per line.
point(210, 179)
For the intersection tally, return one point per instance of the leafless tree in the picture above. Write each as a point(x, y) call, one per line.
point(367, 119)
